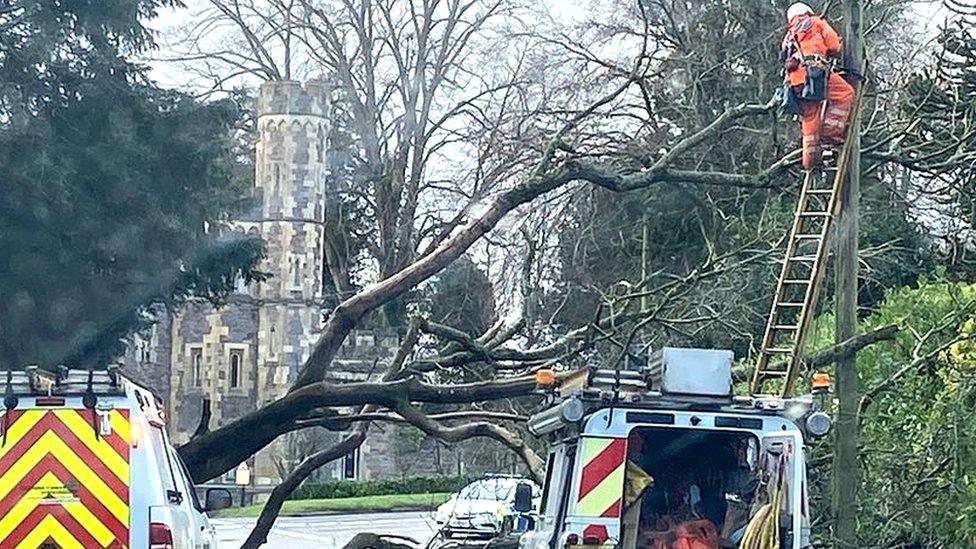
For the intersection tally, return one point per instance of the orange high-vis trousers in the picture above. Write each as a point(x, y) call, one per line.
point(840, 97)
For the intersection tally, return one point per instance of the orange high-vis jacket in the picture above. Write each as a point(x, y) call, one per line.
point(814, 37)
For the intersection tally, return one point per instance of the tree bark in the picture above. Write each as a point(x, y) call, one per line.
point(204, 426)
point(846, 474)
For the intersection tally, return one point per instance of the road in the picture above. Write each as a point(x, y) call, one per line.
point(326, 531)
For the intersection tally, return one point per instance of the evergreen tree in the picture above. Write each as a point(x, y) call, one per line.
point(107, 184)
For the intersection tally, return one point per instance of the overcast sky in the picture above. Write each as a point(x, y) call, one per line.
point(930, 14)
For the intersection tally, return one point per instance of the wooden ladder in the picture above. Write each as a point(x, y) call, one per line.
point(795, 299)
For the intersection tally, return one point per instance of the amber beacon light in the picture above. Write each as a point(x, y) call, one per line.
point(545, 377)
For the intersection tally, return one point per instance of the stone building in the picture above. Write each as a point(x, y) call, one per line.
point(247, 352)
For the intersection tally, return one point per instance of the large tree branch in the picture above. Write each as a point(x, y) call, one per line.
point(218, 451)
point(341, 422)
point(214, 453)
point(844, 349)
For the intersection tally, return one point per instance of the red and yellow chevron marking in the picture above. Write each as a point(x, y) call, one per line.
point(61, 484)
point(602, 480)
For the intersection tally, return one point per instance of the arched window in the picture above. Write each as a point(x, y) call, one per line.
point(296, 272)
point(196, 359)
point(235, 369)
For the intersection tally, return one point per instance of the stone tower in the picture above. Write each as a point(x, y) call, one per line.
point(290, 172)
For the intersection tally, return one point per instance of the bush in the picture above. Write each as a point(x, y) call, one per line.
point(382, 487)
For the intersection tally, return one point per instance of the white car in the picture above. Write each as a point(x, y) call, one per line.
point(480, 508)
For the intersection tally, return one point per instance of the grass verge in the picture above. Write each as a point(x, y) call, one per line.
point(364, 504)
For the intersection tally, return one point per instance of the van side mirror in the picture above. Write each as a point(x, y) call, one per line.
point(217, 499)
point(523, 497)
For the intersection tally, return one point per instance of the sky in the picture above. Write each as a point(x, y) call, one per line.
point(931, 14)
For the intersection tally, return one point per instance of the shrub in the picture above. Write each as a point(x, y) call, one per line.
point(381, 487)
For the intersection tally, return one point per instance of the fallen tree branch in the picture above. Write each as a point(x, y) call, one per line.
point(415, 417)
point(213, 453)
point(217, 451)
point(340, 422)
point(548, 175)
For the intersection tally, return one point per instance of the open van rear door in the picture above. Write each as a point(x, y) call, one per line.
point(64, 476)
point(782, 455)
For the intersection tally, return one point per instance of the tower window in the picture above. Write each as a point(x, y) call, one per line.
point(236, 357)
point(350, 464)
point(196, 361)
point(296, 272)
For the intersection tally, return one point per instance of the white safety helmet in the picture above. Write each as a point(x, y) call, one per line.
point(798, 8)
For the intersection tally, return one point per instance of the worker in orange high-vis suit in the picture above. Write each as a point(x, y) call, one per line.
point(808, 47)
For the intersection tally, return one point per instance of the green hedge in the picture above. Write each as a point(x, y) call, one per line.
point(406, 485)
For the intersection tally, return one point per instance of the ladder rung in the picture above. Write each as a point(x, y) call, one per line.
point(789, 304)
point(804, 258)
point(807, 236)
point(785, 327)
point(773, 373)
point(820, 191)
point(796, 281)
point(814, 214)
point(778, 350)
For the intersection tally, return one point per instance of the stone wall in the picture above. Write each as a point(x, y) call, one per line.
point(205, 341)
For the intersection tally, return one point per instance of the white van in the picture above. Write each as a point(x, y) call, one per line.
point(85, 463)
point(668, 457)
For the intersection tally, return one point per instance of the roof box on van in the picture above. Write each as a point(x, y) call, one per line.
point(693, 372)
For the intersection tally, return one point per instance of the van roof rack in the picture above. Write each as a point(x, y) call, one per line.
point(670, 371)
point(32, 380)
